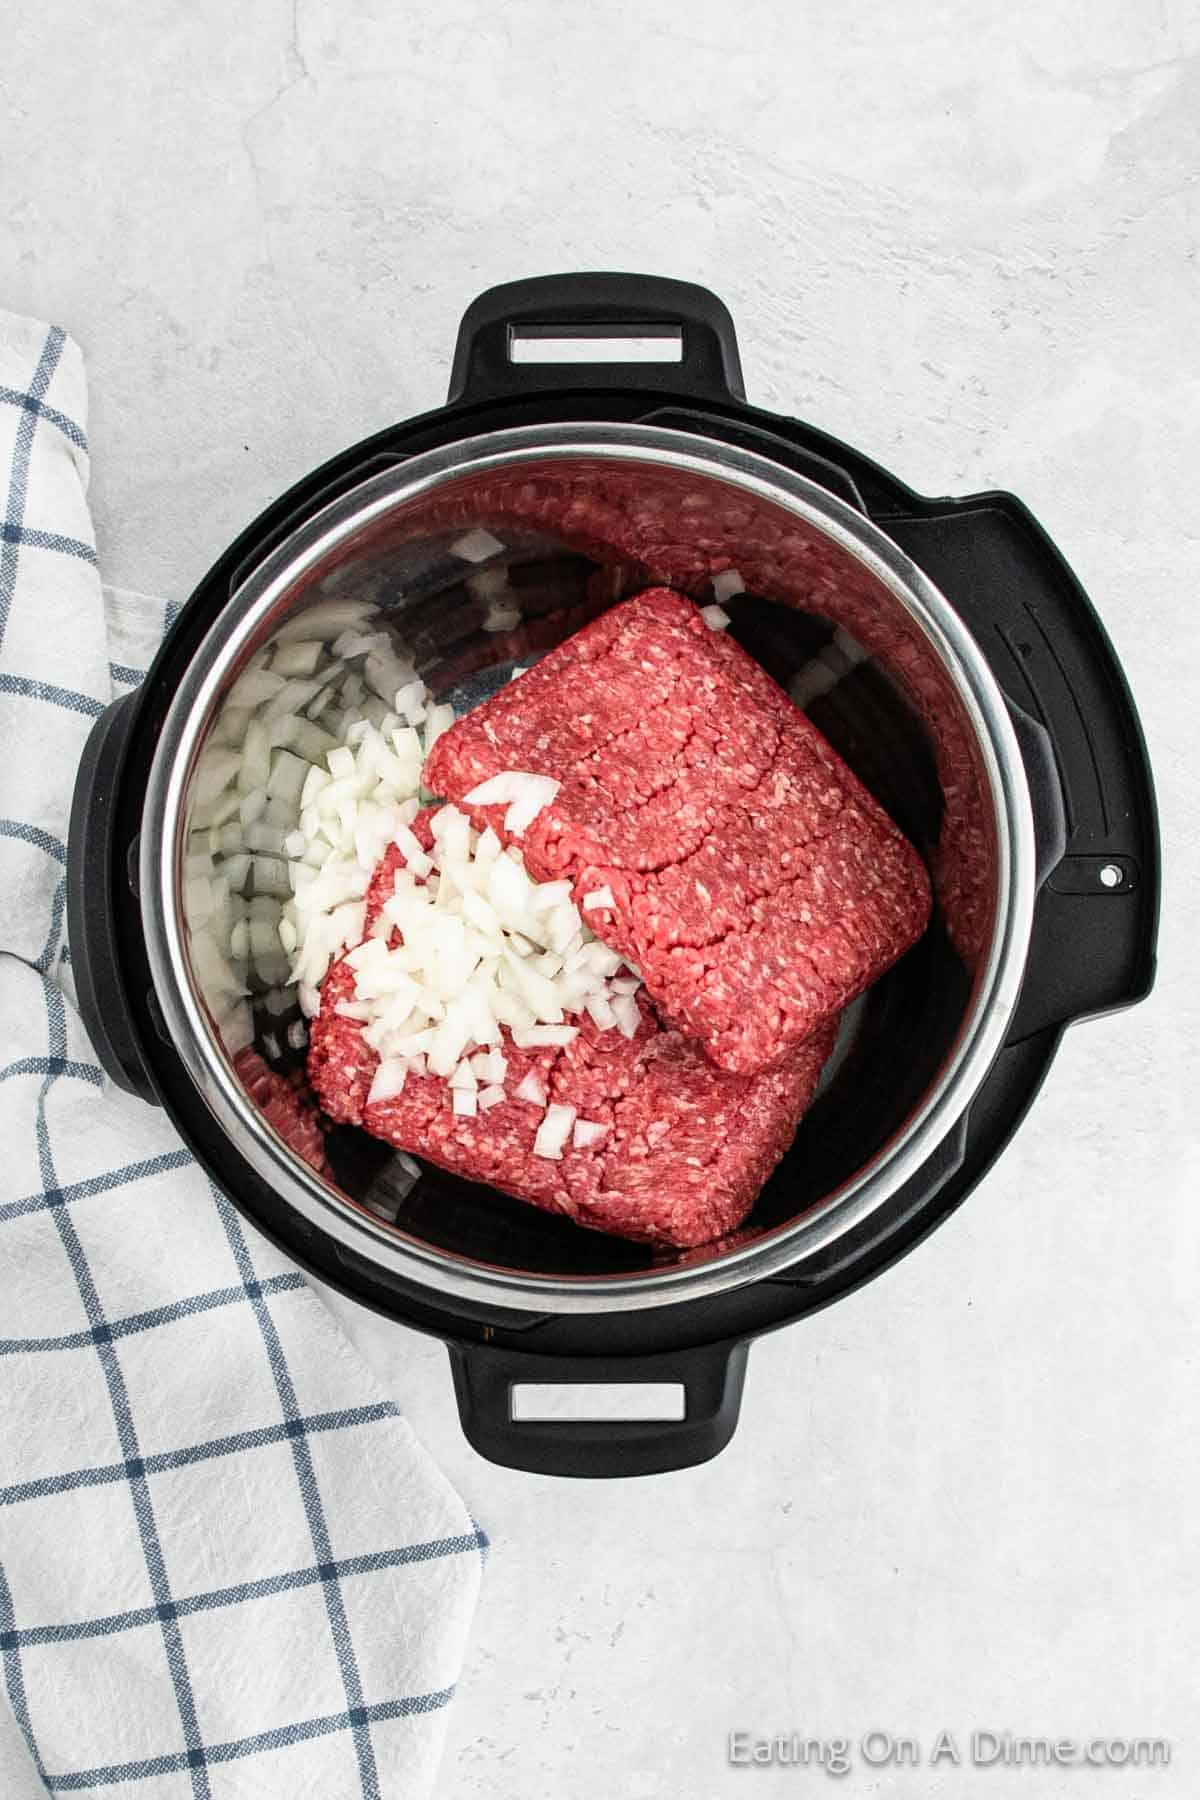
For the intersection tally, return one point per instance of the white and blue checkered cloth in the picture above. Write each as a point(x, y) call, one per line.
point(227, 1568)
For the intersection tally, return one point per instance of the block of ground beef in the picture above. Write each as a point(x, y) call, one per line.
point(685, 1151)
point(745, 870)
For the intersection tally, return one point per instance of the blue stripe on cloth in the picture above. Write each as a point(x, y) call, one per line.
point(95, 1184)
point(255, 1439)
point(14, 1681)
point(171, 612)
point(355, 1718)
point(126, 674)
point(18, 480)
point(33, 834)
point(70, 698)
point(157, 1315)
point(118, 1395)
point(52, 1065)
point(348, 1566)
point(310, 1494)
point(33, 539)
point(68, 427)
point(58, 906)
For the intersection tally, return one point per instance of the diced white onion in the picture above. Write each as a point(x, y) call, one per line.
point(253, 688)
point(541, 1037)
point(715, 617)
point(531, 1088)
point(324, 620)
point(388, 1080)
point(297, 816)
point(524, 794)
point(726, 585)
point(601, 896)
point(586, 1132)
point(628, 1017)
point(476, 546)
point(553, 1132)
point(296, 659)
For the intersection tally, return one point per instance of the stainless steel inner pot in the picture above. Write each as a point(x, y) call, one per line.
point(588, 513)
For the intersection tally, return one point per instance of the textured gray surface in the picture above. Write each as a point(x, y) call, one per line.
point(967, 1496)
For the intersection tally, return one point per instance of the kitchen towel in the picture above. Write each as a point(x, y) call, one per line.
point(227, 1568)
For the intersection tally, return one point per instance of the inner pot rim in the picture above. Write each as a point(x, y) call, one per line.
point(996, 985)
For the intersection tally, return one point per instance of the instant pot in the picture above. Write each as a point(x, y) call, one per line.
point(944, 647)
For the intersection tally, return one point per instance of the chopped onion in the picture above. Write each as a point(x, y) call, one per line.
point(628, 1017)
point(253, 805)
point(410, 701)
point(850, 647)
point(271, 877)
point(388, 1080)
point(215, 770)
point(296, 659)
point(237, 1028)
point(438, 720)
point(810, 682)
point(553, 1132)
point(501, 618)
point(586, 1132)
point(601, 1011)
point(476, 546)
point(253, 688)
point(532, 1089)
point(287, 777)
point(715, 617)
point(525, 795)
point(324, 620)
point(726, 585)
point(490, 1066)
point(266, 839)
point(601, 896)
point(540, 1037)
point(298, 814)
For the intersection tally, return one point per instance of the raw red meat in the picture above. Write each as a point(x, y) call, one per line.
point(287, 1108)
point(660, 523)
point(756, 884)
point(687, 1149)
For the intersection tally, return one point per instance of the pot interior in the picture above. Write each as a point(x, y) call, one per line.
point(575, 534)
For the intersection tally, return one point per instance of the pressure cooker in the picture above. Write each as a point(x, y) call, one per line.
point(597, 430)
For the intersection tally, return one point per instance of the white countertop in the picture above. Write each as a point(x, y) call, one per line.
point(965, 1497)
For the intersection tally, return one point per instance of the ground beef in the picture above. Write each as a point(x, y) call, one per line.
point(288, 1108)
point(756, 884)
point(661, 526)
point(687, 1149)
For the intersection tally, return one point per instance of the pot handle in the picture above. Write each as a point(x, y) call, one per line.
point(91, 902)
point(497, 350)
point(487, 1378)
